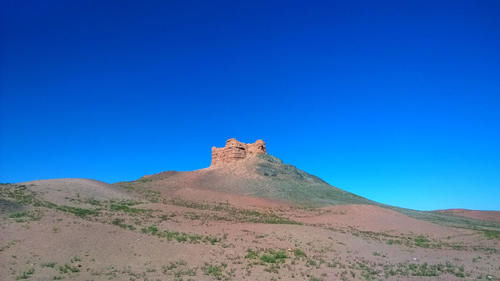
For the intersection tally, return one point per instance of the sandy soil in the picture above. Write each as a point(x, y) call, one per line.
point(94, 231)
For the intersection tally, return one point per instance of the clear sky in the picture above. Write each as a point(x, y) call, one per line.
point(397, 101)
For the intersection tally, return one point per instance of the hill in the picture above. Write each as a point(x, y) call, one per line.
point(262, 176)
point(248, 216)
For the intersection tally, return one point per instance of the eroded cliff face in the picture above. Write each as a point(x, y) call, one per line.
point(236, 151)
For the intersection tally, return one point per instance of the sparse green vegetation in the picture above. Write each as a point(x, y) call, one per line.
point(178, 269)
point(48, 264)
point(67, 268)
point(17, 215)
point(268, 256)
point(311, 262)
point(299, 253)
point(181, 236)
point(447, 219)
point(93, 202)
point(425, 269)
point(415, 241)
point(22, 195)
point(234, 214)
point(152, 196)
point(19, 193)
point(126, 208)
point(26, 274)
point(79, 212)
point(150, 230)
point(251, 254)
point(273, 258)
point(216, 271)
point(120, 223)
point(422, 241)
point(25, 216)
point(491, 234)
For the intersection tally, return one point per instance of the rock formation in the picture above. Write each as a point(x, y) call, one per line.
point(235, 151)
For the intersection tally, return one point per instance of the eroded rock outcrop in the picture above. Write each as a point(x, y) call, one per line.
point(235, 151)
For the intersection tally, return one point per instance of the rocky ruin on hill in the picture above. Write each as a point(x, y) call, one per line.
point(236, 151)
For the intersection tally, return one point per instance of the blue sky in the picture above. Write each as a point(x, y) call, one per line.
point(397, 101)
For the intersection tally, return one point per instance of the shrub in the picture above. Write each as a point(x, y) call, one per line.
point(27, 274)
point(49, 264)
point(274, 256)
point(299, 253)
point(251, 254)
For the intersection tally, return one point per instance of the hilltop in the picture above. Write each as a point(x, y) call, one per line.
point(246, 169)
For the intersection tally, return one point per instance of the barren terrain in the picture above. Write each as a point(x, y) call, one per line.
point(195, 226)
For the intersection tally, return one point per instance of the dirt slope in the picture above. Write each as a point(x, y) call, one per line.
point(223, 236)
point(264, 176)
point(58, 190)
point(493, 216)
point(258, 220)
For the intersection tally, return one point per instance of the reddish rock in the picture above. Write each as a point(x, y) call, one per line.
point(235, 151)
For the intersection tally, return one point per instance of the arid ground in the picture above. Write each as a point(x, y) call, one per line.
point(247, 223)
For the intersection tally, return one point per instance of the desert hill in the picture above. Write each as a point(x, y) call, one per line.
point(247, 170)
point(60, 190)
point(248, 216)
point(262, 176)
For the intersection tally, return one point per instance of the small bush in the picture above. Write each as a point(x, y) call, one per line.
point(25, 216)
point(492, 234)
point(79, 212)
point(251, 254)
point(181, 236)
point(27, 274)
point(151, 230)
point(274, 256)
point(299, 253)
point(68, 268)
point(49, 264)
point(126, 208)
point(422, 241)
point(216, 271)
